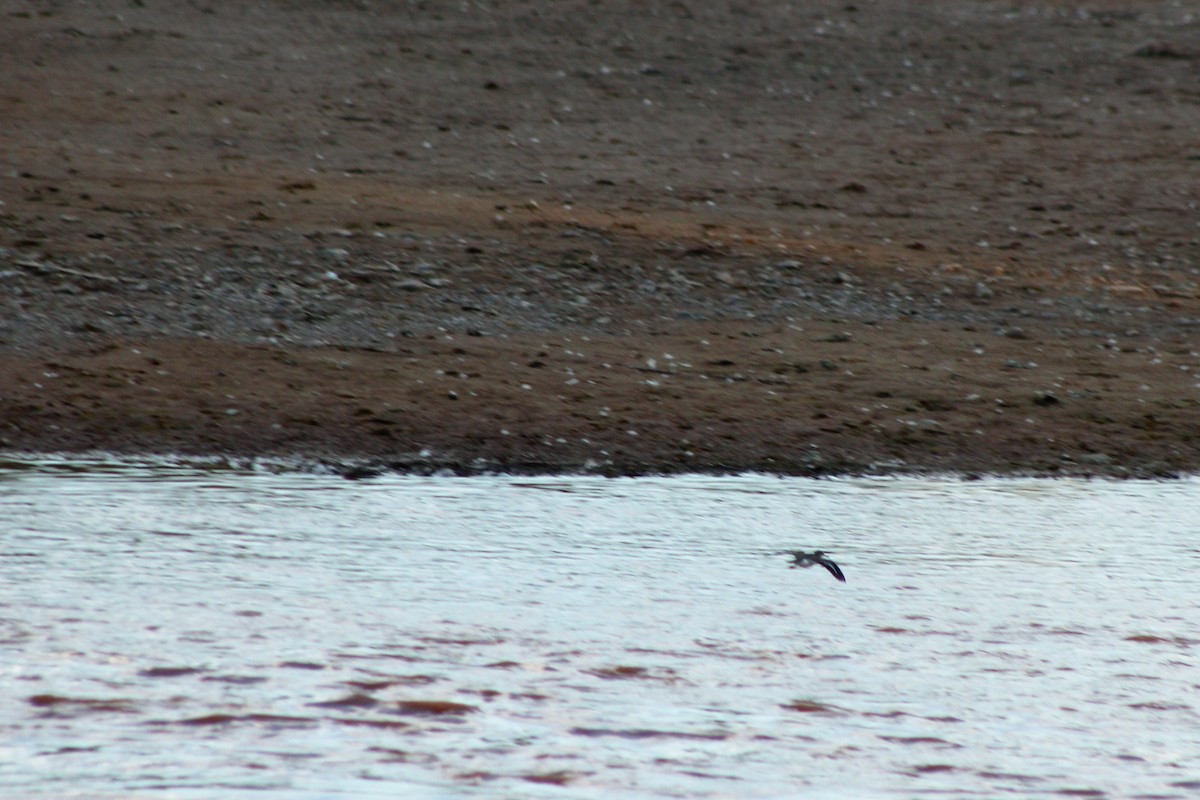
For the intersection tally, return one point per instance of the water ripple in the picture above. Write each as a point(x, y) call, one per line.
point(208, 630)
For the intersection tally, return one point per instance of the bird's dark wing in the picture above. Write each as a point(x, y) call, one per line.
point(833, 568)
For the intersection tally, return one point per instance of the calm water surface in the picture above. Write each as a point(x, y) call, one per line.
point(174, 631)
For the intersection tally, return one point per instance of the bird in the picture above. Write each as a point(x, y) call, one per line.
point(803, 558)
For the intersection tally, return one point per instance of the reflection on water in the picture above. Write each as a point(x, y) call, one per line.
point(175, 631)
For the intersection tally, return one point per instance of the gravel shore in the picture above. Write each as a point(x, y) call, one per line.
point(816, 239)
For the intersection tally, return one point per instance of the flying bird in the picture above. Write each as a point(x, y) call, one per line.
point(803, 558)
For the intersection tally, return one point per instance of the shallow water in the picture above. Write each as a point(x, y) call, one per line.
point(180, 631)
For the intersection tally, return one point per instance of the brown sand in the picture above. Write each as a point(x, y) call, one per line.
point(805, 238)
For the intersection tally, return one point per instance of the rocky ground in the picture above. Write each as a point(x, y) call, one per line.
point(807, 238)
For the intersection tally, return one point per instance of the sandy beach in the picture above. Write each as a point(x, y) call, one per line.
point(820, 238)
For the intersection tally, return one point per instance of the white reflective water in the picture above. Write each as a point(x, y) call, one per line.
point(182, 632)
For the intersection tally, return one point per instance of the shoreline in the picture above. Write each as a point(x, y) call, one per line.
point(794, 239)
point(363, 411)
point(357, 469)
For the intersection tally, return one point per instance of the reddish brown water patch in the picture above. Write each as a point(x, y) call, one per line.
point(81, 703)
point(811, 707)
point(434, 708)
point(169, 672)
point(356, 700)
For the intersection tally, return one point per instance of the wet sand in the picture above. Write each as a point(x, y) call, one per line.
point(819, 240)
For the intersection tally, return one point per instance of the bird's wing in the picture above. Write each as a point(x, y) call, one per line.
point(833, 568)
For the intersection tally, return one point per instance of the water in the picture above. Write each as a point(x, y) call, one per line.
point(175, 631)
